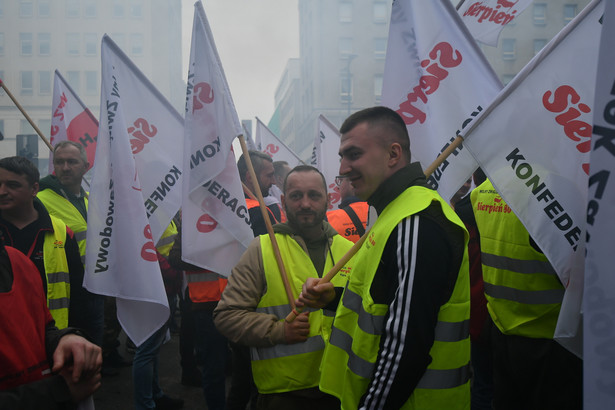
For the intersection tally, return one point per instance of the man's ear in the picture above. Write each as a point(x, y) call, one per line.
point(35, 187)
point(395, 154)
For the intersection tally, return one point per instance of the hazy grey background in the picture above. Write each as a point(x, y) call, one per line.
point(255, 38)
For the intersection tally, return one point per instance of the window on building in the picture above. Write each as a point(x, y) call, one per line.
point(380, 48)
point(1, 130)
point(345, 46)
point(136, 44)
point(74, 80)
point(72, 44)
point(120, 40)
point(44, 125)
point(345, 12)
point(118, 8)
point(27, 83)
point(25, 127)
point(1, 44)
point(89, 8)
point(136, 9)
point(44, 82)
point(26, 8)
point(378, 88)
point(44, 8)
point(570, 12)
point(72, 8)
point(508, 49)
point(345, 88)
point(91, 41)
point(539, 44)
point(44, 44)
point(380, 12)
point(25, 44)
point(540, 14)
point(91, 83)
point(506, 78)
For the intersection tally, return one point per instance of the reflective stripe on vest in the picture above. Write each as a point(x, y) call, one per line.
point(56, 270)
point(350, 358)
point(523, 291)
point(61, 208)
point(165, 243)
point(275, 369)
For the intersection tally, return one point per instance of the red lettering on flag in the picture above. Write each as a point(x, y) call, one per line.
point(203, 94)
point(271, 149)
point(142, 131)
point(565, 101)
point(148, 251)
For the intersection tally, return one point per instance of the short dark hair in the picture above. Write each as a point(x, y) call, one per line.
point(382, 117)
point(279, 167)
point(64, 143)
point(305, 168)
point(257, 158)
point(21, 166)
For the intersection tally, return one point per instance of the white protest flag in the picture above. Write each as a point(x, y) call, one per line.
point(533, 143)
point(485, 19)
point(438, 80)
point(215, 220)
point(271, 145)
point(325, 157)
point(598, 301)
point(135, 148)
point(71, 120)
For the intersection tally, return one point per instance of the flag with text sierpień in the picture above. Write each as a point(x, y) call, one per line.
point(533, 143)
point(486, 18)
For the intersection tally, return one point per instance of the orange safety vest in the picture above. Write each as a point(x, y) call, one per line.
point(253, 203)
point(342, 220)
point(205, 285)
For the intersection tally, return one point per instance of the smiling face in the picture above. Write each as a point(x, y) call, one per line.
point(305, 199)
point(366, 159)
point(15, 191)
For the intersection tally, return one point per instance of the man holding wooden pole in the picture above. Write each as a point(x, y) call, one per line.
point(400, 337)
point(285, 355)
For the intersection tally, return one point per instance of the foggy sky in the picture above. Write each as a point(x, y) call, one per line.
point(255, 38)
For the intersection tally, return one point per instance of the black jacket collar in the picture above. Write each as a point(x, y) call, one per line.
point(393, 186)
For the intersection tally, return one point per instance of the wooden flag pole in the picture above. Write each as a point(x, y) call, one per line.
point(25, 114)
point(335, 269)
point(443, 156)
point(265, 213)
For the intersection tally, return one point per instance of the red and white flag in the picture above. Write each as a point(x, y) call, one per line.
point(135, 191)
point(438, 80)
point(598, 301)
point(215, 219)
point(273, 146)
point(485, 19)
point(71, 120)
point(325, 157)
point(533, 143)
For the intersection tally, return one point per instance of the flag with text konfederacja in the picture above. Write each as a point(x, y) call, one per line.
point(134, 193)
point(215, 219)
point(71, 120)
point(533, 143)
point(486, 18)
point(598, 301)
point(271, 145)
point(325, 157)
point(438, 80)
